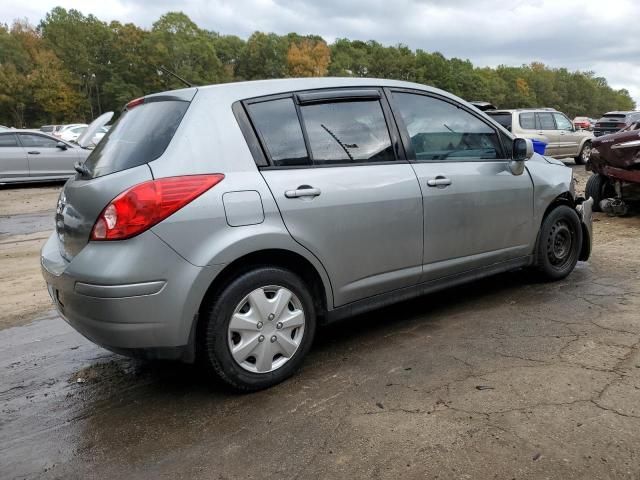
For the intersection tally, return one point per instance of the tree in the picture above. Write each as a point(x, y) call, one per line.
point(308, 58)
point(264, 56)
point(177, 43)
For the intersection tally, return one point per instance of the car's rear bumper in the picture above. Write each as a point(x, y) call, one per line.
point(585, 209)
point(139, 299)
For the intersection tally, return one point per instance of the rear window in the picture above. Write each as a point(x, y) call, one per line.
point(139, 136)
point(503, 119)
point(8, 141)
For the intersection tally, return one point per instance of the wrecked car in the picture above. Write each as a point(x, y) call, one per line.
point(615, 163)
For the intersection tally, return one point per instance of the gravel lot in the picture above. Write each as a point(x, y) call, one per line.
point(503, 378)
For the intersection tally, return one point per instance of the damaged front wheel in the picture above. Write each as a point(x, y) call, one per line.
point(559, 243)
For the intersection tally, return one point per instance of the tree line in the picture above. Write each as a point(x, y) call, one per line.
point(71, 67)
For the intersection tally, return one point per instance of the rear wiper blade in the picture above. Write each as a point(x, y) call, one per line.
point(80, 168)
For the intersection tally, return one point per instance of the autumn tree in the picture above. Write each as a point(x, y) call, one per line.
point(308, 58)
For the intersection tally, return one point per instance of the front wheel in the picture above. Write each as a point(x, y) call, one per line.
point(585, 153)
point(258, 329)
point(559, 243)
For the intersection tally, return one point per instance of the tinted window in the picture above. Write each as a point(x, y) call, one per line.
point(139, 136)
point(8, 141)
point(563, 122)
point(37, 141)
point(345, 132)
point(528, 120)
point(546, 121)
point(278, 125)
point(503, 119)
point(440, 130)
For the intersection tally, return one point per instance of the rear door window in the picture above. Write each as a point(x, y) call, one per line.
point(347, 132)
point(279, 128)
point(139, 136)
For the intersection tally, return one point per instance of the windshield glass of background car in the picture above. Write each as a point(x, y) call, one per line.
point(345, 132)
point(440, 130)
point(139, 136)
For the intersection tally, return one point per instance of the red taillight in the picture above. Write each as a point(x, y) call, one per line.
point(134, 103)
point(146, 204)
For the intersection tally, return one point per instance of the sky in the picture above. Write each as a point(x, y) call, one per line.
point(587, 35)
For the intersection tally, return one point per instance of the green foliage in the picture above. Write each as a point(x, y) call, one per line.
point(75, 66)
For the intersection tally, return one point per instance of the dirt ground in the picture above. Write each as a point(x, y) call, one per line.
point(503, 378)
point(26, 221)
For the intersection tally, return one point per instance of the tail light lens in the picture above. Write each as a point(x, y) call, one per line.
point(144, 205)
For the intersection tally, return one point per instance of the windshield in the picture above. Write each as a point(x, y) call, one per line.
point(139, 136)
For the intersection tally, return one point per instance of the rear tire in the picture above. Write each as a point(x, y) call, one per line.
point(274, 323)
point(598, 187)
point(559, 243)
point(585, 153)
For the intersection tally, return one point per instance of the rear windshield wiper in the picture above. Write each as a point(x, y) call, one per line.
point(81, 169)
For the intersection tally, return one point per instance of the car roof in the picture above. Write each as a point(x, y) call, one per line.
point(629, 112)
point(258, 88)
point(518, 110)
point(33, 132)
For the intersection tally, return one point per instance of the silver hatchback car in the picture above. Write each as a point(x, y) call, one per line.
point(226, 223)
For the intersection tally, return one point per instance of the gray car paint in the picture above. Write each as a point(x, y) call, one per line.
point(376, 259)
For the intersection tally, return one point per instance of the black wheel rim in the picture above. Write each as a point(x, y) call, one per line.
point(560, 244)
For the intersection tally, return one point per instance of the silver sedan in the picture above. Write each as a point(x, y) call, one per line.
point(29, 156)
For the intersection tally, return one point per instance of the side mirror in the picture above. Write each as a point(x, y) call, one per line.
point(522, 149)
point(61, 145)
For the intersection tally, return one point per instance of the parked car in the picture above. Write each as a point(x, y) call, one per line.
point(613, 122)
point(63, 128)
point(583, 123)
point(50, 129)
point(200, 227)
point(71, 134)
point(615, 162)
point(32, 156)
point(550, 127)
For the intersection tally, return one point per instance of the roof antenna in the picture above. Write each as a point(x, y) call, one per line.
point(162, 69)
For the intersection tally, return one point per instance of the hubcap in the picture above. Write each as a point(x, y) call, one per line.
point(586, 153)
point(560, 244)
point(273, 313)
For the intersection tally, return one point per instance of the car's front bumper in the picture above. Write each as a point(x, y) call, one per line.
point(584, 207)
point(136, 297)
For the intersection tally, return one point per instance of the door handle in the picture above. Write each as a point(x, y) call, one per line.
point(439, 181)
point(302, 191)
point(33, 153)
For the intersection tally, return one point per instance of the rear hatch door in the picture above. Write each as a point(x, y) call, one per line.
point(140, 135)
